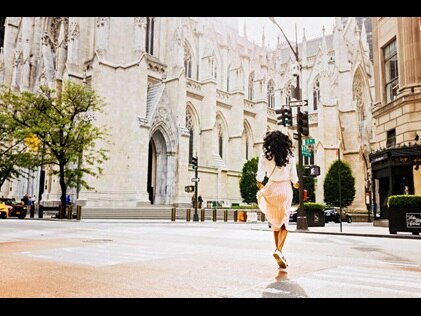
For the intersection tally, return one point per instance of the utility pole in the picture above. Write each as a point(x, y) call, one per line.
point(195, 165)
point(301, 217)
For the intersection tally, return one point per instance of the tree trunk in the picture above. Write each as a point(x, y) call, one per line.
point(62, 210)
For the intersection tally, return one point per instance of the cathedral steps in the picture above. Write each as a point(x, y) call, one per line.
point(150, 212)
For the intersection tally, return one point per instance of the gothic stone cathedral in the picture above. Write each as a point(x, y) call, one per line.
point(175, 87)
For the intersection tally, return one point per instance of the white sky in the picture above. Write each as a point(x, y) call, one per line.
point(313, 28)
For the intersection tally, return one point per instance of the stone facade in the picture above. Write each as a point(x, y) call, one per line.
point(175, 87)
point(396, 109)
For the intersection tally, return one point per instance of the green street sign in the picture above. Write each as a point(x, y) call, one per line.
point(309, 141)
point(306, 154)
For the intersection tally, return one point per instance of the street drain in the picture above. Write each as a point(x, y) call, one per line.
point(97, 240)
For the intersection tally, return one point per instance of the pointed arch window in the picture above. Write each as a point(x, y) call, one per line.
point(246, 142)
point(150, 25)
point(228, 78)
point(190, 127)
point(220, 139)
point(358, 94)
point(250, 86)
point(271, 94)
point(187, 61)
point(213, 67)
point(316, 94)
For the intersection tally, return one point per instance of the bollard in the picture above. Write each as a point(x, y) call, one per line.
point(78, 212)
point(225, 215)
point(202, 215)
point(188, 213)
point(173, 214)
point(214, 215)
point(32, 211)
point(69, 211)
point(41, 211)
point(235, 216)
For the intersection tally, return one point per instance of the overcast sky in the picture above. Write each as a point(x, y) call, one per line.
point(313, 28)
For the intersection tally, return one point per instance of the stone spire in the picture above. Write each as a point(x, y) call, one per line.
point(263, 37)
point(364, 40)
point(338, 23)
point(324, 46)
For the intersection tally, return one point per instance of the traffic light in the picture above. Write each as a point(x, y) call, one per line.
point(302, 123)
point(285, 117)
point(194, 162)
point(314, 171)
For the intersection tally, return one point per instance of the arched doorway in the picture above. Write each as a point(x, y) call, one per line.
point(158, 186)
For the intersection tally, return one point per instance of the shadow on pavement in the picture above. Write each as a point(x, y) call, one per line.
point(283, 288)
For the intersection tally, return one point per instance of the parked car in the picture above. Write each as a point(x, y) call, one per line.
point(4, 210)
point(293, 214)
point(16, 209)
point(332, 214)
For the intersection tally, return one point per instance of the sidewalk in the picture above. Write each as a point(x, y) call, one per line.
point(354, 229)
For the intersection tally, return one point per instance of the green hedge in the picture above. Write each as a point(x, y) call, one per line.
point(255, 206)
point(404, 201)
point(311, 206)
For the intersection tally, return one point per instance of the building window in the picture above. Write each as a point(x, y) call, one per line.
point(187, 61)
point(251, 88)
point(190, 127)
point(316, 94)
point(271, 94)
point(220, 143)
point(228, 78)
point(391, 138)
point(391, 69)
point(213, 67)
point(2, 27)
point(150, 23)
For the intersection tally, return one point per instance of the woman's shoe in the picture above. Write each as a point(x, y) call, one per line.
point(280, 259)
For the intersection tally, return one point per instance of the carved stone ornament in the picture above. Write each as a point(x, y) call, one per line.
point(140, 21)
point(102, 21)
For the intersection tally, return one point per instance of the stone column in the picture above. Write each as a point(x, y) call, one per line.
point(139, 34)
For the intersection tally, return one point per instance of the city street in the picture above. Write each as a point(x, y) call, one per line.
point(139, 258)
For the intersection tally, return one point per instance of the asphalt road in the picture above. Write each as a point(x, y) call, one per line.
point(117, 258)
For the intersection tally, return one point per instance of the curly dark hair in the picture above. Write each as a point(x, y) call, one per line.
point(277, 145)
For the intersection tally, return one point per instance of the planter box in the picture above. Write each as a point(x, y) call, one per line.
point(405, 220)
point(315, 218)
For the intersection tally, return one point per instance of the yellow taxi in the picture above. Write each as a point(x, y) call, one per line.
point(4, 210)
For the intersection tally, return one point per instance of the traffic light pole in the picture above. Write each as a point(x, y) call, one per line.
point(196, 186)
point(301, 217)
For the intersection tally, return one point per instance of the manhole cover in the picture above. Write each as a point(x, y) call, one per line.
point(98, 240)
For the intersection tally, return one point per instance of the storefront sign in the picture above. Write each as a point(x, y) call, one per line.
point(413, 220)
point(379, 158)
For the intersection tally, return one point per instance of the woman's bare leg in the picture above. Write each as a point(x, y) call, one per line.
point(282, 236)
point(276, 237)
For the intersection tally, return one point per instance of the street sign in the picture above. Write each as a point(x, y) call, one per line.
point(298, 103)
point(295, 136)
point(195, 179)
point(306, 154)
point(309, 141)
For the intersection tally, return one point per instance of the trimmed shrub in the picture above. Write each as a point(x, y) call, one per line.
point(404, 201)
point(312, 207)
point(331, 185)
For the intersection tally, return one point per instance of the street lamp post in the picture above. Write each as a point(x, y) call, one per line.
point(301, 217)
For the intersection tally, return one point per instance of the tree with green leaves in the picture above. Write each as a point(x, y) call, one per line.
point(248, 188)
point(331, 184)
point(64, 123)
point(16, 158)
